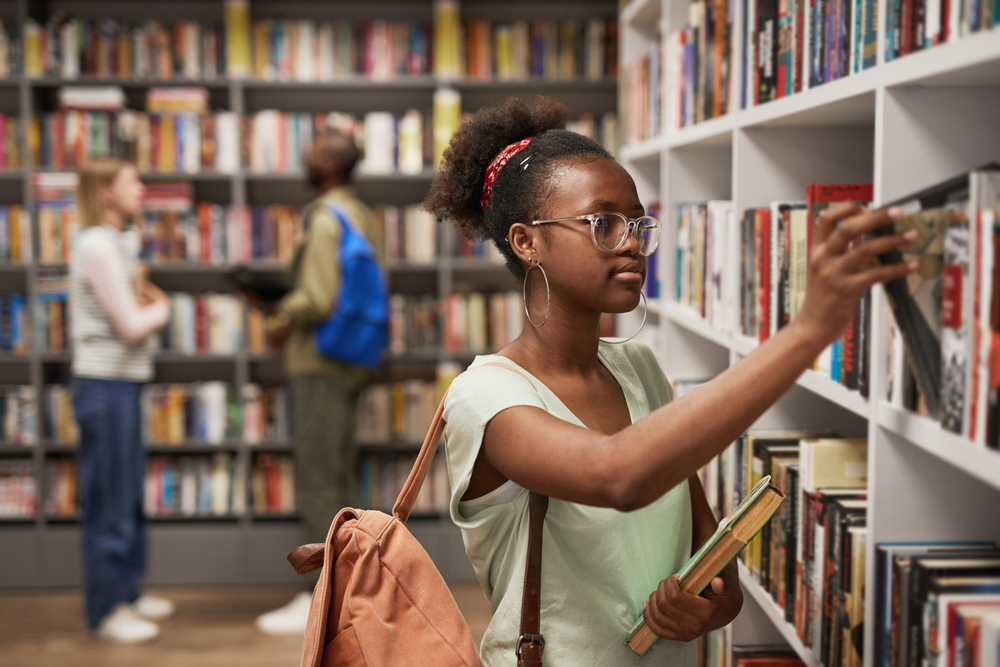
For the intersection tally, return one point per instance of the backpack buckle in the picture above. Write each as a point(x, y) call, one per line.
point(529, 639)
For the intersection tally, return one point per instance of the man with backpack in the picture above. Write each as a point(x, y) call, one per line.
point(324, 390)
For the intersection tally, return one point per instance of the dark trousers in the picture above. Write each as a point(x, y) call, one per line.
point(111, 467)
point(324, 406)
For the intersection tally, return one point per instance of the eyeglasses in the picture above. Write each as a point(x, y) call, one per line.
point(608, 230)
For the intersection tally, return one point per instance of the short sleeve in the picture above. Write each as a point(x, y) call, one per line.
point(475, 397)
point(650, 374)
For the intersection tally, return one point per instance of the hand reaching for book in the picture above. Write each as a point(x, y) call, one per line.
point(841, 266)
point(673, 614)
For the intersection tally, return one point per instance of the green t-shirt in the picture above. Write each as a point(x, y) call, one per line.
point(598, 564)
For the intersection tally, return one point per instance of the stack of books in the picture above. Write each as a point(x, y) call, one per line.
point(644, 97)
point(51, 326)
point(15, 235)
point(913, 25)
point(266, 414)
point(58, 422)
point(15, 332)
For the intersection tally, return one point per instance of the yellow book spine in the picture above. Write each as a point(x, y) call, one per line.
point(167, 150)
point(237, 23)
point(32, 49)
point(447, 36)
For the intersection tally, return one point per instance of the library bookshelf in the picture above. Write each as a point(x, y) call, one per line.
point(902, 125)
point(40, 551)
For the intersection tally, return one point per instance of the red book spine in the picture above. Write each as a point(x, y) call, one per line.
point(205, 233)
point(765, 272)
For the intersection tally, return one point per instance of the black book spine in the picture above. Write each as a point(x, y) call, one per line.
point(864, 342)
point(792, 497)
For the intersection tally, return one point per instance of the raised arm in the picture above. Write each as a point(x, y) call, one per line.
point(637, 465)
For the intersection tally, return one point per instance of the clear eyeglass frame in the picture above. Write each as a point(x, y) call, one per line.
point(646, 230)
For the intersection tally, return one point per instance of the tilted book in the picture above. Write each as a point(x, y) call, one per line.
point(731, 536)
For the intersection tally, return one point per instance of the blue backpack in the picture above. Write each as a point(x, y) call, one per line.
point(358, 329)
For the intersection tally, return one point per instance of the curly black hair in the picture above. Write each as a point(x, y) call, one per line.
point(519, 191)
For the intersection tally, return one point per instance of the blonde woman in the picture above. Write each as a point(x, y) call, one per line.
point(114, 311)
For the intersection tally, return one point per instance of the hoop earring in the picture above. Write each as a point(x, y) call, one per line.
point(645, 312)
point(548, 295)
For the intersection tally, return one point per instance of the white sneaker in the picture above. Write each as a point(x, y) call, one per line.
point(123, 626)
point(153, 608)
point(288, 620)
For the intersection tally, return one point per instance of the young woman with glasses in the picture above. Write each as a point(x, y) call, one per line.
point(590, 423)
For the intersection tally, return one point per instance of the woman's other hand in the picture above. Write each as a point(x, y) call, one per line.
point(150, 294)
point(673, 614)
point(841, 266)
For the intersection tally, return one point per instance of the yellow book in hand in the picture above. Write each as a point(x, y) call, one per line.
point(731, 536)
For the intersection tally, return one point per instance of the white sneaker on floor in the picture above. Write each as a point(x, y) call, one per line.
point(121, 625)
point(288, 620)
point(153, 608)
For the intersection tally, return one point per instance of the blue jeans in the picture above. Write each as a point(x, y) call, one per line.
point(111, 466)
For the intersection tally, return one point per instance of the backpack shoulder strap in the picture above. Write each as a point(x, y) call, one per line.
point(530, 644)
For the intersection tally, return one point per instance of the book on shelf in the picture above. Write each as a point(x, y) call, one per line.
point(11, 141)
point(202, 485)
point(643, 99)
point(272, 484)
point(445, 118)
point(204, 323)
point(810, 560)
point(943, 313)
point(479, 322)
point(308, 51)
point(706, 244)
point(58, 421)
point(11, 52)
point(701, 60)
point(914, 25)
point(19, 424)
point(60, 487)
point(69, 47)
point(15, 235)
point(18, 489)
point(50, 325)
point(400, 411)
point(715, 648)
point(383, 474)
point(15, 327)
point(733, 533)
point(764, 656)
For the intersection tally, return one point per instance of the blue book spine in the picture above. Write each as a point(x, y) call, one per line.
point(16, 321)
point(835, 360)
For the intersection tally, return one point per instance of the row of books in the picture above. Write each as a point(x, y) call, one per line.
point(399, 411)
point(206, 485)
point(771, 246)
point(61, 497)
point(643, 99)
point(946, 318)
point(15, 235)
point(937, 603)
point(701, 62)
point(50, 324)
point(791, 45)
point(11, 154)
point(18, 416)
point(913, 25)
point(811, 556)
point(10, 51)
point(14, 329)
point(58, 422)
point(204, 323)
point(213, 412)
point(716, 649)
point(553, 51)
point(304, 50)
point(458, 322)
point(272, 484)
point(179, 142)
point(18, 489)
point(69, 47)
point(382, 476)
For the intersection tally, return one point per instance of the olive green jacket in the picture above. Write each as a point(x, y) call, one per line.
point(315, 275)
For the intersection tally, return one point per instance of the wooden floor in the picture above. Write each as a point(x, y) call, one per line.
point(212, 628)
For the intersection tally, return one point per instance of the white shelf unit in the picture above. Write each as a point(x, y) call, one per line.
point(902, 125)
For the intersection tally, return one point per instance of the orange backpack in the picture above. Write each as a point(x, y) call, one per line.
point(380, 601)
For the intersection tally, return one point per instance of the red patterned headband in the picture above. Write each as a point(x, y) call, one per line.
point(496, 165)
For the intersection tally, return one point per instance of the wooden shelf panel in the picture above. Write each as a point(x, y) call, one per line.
point(927, 434)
